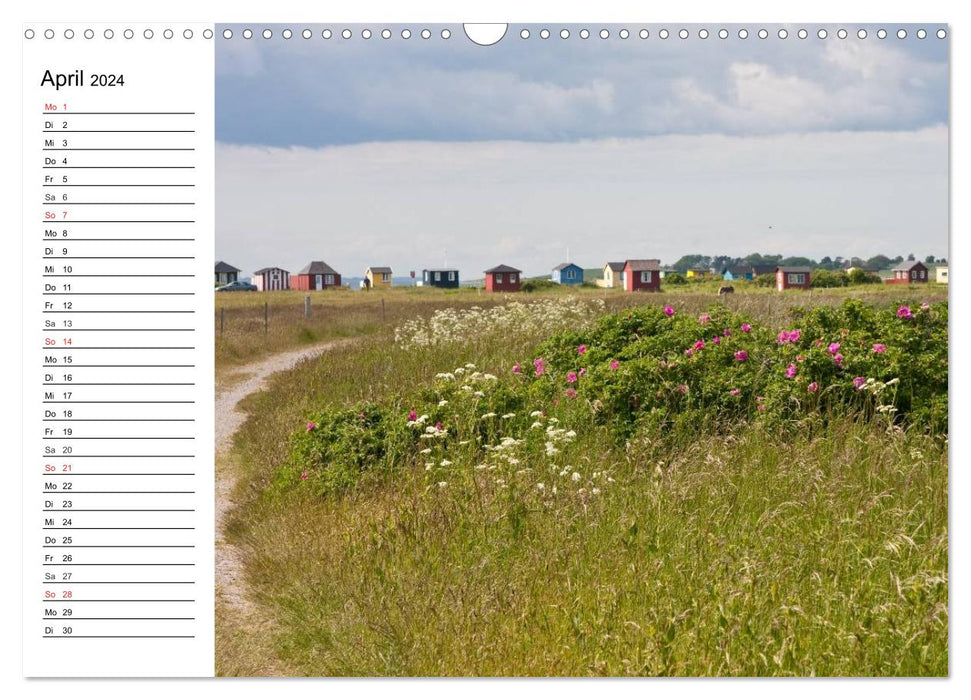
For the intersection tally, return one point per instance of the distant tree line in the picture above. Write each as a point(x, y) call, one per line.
point(718, 262)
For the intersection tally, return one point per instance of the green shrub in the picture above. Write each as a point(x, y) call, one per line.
point(829, 278)
point(860, 276)
point(651, 372)
point(538, 285)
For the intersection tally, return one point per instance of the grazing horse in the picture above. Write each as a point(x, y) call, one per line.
point(726, 290)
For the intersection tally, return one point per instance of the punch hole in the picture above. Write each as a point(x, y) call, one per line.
point(822, 34)
point(446, 33)
point(604, 34)
point(524, 34)
point(327, 34)
point(584, 33)
point(187, 33)
point(881, 34)
point(306, 33)
point(624, 33)
point(426, 34)
point(702, 33)
point(49, 33)
point(763, 34)
point(207, 34)
point(130, 34)
point(861, 34)
point(841, 33)
point(267, 34)
point(247, 33)
point(544, 34)
point(802, 34)
point(783, 34)
point(365, 33)
point(489, 34)
point(89, 34)
point(227, 34)
point(68, 33)
point(564, 33)
point(683, 34)
point(168, 34)
point(405, 33)
point(109, 34)
point(722, 33)
point(941, 34)
point(743, 33)
point(287, 34)
point(29, 34)
point(921, 33)
point(148, 34)
point(663, 34)
point(347, 34)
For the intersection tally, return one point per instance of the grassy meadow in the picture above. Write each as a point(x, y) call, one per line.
point(551, 484)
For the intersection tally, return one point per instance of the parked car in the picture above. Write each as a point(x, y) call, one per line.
point(237, 286)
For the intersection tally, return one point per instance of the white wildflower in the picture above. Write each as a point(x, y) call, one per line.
point(445, 463)
point(488, 415)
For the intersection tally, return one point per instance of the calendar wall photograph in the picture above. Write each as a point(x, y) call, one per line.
point(620, 353)
point(531, 350)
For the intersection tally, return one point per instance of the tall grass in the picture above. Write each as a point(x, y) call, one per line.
point(824, 555)
point(249, 326)
point(819, 552)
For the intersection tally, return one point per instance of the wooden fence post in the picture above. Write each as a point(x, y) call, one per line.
point(384, 315)
point(266, 317)
point(306, 306)
point(222, 319)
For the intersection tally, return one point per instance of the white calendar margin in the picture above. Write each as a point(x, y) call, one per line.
point(160, 73)
point(565, 11)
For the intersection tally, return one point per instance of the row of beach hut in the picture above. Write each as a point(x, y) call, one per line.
point(630, 275)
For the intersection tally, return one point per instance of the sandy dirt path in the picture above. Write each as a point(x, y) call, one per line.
point(249, 379)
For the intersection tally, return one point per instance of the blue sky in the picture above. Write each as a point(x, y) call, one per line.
point(839, 144)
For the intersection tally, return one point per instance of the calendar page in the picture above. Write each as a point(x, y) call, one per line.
point(532, 349)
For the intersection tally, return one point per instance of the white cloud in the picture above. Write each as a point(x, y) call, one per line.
point(409, 204)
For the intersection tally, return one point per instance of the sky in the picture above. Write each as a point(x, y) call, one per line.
point(425, 152)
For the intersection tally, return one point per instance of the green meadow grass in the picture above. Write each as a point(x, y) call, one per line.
point(820, 550)
point(251, 325)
